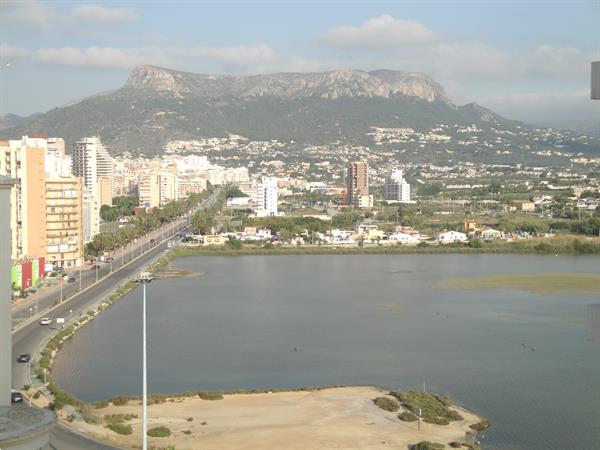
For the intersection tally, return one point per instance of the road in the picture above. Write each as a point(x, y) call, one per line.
point(28, 334)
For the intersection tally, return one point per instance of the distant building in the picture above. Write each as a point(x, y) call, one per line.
point(157, 189)
point(266, 197)
point(215, 239)
point(91, 216)
point(64, 221)
point(396, 188)
point(448, 237)
point(525, 205)
point(90, 160)
point(357, 185)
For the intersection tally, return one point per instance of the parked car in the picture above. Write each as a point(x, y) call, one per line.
point(24, 358)
point(16, 396)
point(45, 321)
point(95, 266)
point(71, 280)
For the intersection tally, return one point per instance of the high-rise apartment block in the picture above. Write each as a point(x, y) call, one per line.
point(357, 185)
point(266, 197)
point(91, 161)
point(397, 190)
point(24, 161)
point(64, 221)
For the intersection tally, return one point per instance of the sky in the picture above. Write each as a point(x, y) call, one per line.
point(527, 60)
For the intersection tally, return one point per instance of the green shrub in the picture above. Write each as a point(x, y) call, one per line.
point(434, 408)
point(100, 404)
point(407, 416)
point(480, 426)
point(120, 428)
point(159, 432)
point(188, 432)
point(26, 387)
point(387, 404)
point(189, 419)
point(426, 445)
point(210, 395)
point(455, 444)
point(119, 400)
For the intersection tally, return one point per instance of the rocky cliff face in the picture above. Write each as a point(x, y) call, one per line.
point(327, 85)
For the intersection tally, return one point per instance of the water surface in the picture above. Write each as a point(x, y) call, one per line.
point(524, 360)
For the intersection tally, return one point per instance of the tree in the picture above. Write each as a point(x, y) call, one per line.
point(109, 213)
point(203, 222)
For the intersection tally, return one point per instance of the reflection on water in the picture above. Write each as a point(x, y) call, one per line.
point(593, 321)
point(518, 358)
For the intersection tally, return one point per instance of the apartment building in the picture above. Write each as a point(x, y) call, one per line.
point(357, 185)
point(397, 190)
point(24, 161)
point(158, 188)
point(64, 221)
point(266, 197)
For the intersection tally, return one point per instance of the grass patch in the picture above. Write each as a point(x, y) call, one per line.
point(387, 404)
point(159, 432)
point(480, 426)
point(547, 283)
point(435, 409)
point(120, 428)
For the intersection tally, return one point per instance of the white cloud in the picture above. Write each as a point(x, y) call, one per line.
point(382, 32)
point(10, 52)
point(101, 57)
point(241, 56)
point(26, 12)
point(103, 16)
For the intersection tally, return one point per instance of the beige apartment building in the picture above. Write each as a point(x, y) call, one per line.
point(64, 221)
point(23, 160)
point(157, 189)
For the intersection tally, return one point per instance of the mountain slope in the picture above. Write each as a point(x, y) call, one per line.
point(159, 105)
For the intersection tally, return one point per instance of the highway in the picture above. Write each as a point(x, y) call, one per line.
point(28, 334)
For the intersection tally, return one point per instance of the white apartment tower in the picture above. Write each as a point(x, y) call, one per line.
point(90, 160)
point(266, 197)
point(397, 190)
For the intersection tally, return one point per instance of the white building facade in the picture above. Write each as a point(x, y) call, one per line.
point(397, 190)
point(266, 197)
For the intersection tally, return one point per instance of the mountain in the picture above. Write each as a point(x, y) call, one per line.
point(13, 120)
point(158, 105)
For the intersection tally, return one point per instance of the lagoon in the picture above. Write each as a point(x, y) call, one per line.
point(526, 360)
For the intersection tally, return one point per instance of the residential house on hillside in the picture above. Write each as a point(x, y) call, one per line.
point(448, 237)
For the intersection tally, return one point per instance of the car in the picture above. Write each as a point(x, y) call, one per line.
point(45, 321)
point(71, 280)
point(24, 358)
point(95, 266)
point(16, 396)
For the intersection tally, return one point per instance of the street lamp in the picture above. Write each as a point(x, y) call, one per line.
point(144, 282)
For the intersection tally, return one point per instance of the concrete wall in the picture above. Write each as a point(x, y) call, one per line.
point(596, 80)
point(5, 299)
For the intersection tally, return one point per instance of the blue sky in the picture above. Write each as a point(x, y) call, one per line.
point(526, 60)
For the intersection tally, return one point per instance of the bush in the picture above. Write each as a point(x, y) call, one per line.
point(120, 428)
point(190, 419)
point(455, 444)
point(210, 395)
point(434, 408)
point(159, 432)
point(119, 401)
point(387, 404)
point(426, 445)
point(407, 416)
point(188, 432)
point(480, 426)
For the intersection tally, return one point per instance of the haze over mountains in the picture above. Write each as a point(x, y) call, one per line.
point(159, 105)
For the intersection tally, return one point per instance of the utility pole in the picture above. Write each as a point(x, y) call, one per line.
point(144, 380)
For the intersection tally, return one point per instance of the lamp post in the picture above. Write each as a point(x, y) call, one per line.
point(144, 281)
point(80, 275)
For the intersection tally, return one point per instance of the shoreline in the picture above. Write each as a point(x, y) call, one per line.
point(329, 417)
point(563, 245)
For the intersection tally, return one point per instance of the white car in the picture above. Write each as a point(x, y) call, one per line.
point(45, 321)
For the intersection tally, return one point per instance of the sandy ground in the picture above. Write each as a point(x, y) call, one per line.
point(336, 418)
